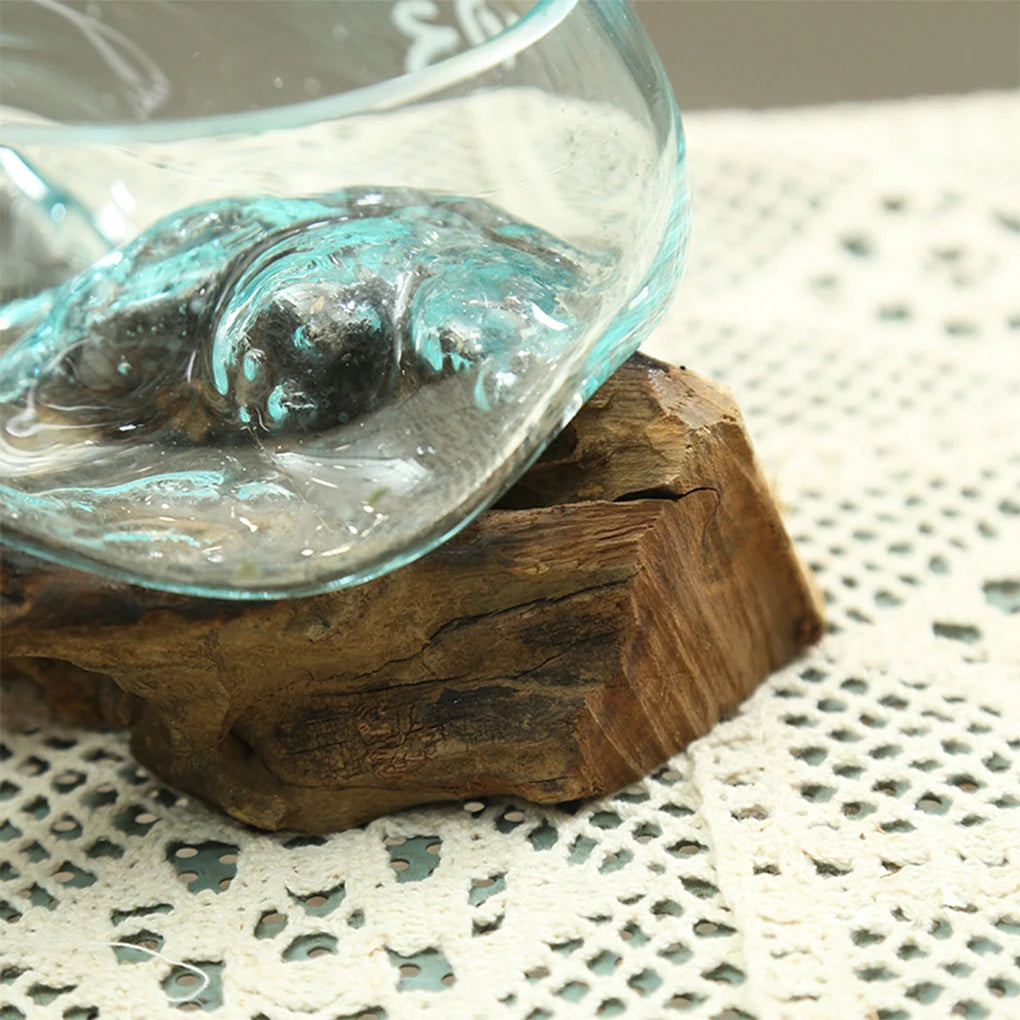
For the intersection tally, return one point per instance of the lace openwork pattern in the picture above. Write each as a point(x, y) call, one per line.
point(848, 845)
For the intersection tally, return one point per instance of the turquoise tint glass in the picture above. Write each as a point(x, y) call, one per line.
point(292, 290)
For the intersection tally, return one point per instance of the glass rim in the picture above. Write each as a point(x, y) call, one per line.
point(533, 25)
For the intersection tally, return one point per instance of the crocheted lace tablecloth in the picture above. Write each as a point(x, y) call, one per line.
point(847, 845)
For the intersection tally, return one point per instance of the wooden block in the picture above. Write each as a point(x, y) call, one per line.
point(633, 588)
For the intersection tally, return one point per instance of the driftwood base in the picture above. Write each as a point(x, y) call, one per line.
point(633, 588)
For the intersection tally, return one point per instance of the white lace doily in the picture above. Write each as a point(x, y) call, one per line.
point(848, 845)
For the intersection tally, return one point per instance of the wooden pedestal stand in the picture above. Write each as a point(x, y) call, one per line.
point(633, 588)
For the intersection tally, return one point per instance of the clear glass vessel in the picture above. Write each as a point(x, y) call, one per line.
point(293, 289)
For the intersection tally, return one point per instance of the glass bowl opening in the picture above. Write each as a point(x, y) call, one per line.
point(134, 70)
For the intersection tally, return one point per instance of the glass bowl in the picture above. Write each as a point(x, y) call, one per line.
point(293, 290)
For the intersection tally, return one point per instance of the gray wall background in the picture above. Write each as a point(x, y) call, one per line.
point(759, 53)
